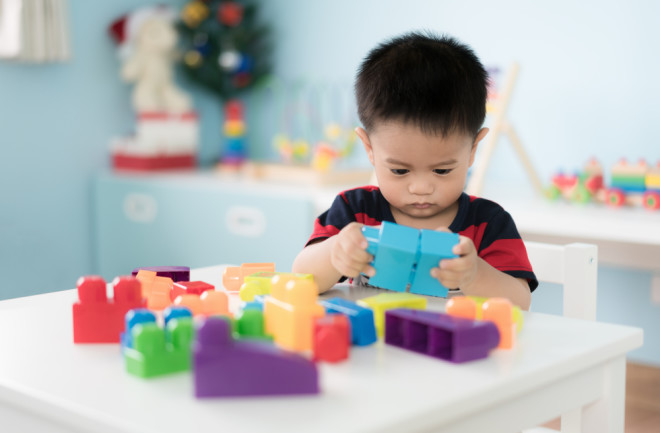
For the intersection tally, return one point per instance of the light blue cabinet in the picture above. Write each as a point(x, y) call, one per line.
point(197, 220)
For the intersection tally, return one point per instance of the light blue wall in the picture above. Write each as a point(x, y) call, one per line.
point(588, 86)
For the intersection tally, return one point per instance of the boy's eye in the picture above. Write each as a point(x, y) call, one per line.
point(399, 171)
point(442, 171)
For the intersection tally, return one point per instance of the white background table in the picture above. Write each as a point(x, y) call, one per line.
point(48, 384)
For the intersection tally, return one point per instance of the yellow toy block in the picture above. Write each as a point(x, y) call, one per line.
point(388, 301)
point(290, 310)
point(232, 276)
point(460, 306)
point(155, 289)
point(260, 282)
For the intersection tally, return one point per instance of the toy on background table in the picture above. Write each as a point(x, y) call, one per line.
point(224, 367)
point(290, 311)
point(259, 283)
point(167, 130)
point(439, 335)
point(233, 276)
point(331, 338)
point(189, 288)
point(635, 185)
point(363, 328)
point(388, 301)
point(404, 256)
point(97, 319)
point(156, 350)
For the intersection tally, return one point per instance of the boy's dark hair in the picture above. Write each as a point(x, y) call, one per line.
point(433, 82)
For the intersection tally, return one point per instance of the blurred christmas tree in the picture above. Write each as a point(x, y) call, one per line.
point(225, 51)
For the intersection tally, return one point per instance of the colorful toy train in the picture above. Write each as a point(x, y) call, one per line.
point(630, 184)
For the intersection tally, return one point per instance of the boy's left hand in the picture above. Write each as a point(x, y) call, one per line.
point(461, 271)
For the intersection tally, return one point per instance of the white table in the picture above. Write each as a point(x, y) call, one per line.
point(48, 384)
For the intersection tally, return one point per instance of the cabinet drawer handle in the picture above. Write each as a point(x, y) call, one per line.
point(140, 208)
point(246, 221)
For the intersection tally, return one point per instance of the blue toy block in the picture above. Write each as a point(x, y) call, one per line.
point(404, 256)
point(363, 330)
point(394, 253)
point(253, 305)
point(132, 318)
point(176, 312)
point(433, 247)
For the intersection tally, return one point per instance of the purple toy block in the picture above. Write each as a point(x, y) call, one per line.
point(224, 367)
point(176, 273)
point(439, 335)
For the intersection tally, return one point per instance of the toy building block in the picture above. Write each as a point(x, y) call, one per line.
point(628, 177)
point(290, 311)
point(439, 335)
point(224, 367)
point(155, 289)
point(232, 276)
point(157, 351)
point(470, 307)
point(388, 301)
point(176, 273)
point(363, 329)
point(132, 318)
point(394, 248)
point(500, 312)
point(404, 256)
point(189, 287)
point(250, 324)
point(433, 247)
point(176, 312)
point(259, 283)
point(331, 339)
point(208, 303)
point(97, 319)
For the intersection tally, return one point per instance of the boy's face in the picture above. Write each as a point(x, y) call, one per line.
point(421, 176)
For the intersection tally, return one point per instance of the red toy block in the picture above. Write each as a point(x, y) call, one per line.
point(122, 161)
point(190, 288)
point(332, 338)
point(97, 319)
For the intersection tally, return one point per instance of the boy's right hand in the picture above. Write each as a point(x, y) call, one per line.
point(349, 254)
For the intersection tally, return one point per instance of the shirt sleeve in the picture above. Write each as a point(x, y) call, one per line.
point(330, 222)
point(502, 247)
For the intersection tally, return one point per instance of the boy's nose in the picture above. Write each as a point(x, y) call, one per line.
point(420, 187)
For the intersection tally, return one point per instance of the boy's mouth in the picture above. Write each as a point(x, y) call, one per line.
point(421, 205)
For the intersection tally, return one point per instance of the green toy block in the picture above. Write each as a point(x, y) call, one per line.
point(154, 354)
point(250, 324)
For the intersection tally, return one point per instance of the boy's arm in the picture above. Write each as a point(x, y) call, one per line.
point(344, 254)
point(475, 277)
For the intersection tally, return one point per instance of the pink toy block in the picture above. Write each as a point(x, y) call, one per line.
point(332, 338)
point(224, 367)
point(189, 287)
point(155, 289)
point(97, 319)
point(232, 276)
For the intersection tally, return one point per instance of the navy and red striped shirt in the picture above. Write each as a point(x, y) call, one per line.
point(490, 227)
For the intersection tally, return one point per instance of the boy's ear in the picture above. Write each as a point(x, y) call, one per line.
point(480, 136)
point(366, 143)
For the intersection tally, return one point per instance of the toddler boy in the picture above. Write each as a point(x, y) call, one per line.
point(422, 103)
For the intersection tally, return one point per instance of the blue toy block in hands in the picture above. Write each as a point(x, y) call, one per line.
point(433, 247)
point(394, 248)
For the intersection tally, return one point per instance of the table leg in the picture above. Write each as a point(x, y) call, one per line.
point(607, 414)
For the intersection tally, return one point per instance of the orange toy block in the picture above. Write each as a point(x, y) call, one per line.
point(232, 276)
point(290, 311)
point(500, 312)
point(463, 306)
point(155, 289)
point(209, 303)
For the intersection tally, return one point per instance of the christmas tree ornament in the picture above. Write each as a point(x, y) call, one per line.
point(230, 13)
point(193, 58)
point(230, 60)
point(194, 13)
